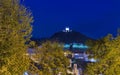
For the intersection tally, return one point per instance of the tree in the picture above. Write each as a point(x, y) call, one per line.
point(108, 53)
point(50, 59)
point(15, 29)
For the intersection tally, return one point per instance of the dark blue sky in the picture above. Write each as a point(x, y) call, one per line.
point(94, 18)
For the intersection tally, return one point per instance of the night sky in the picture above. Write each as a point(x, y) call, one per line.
point(94, 18)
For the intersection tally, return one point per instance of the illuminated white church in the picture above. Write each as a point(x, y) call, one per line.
point(67, 29)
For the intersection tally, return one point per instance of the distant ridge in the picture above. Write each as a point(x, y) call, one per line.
point(65, 36)
point(69, 37)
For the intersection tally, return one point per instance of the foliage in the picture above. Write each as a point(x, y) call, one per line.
point(15, 29)
point(107, 51)
point(50, 59)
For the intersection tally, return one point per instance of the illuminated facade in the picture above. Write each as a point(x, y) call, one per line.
point(79, 47)
point(67, 29)
point(75, 45)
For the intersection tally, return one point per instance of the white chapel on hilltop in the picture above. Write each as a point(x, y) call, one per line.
point(67, 29)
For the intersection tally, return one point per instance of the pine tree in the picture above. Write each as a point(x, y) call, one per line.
point(15, 29)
